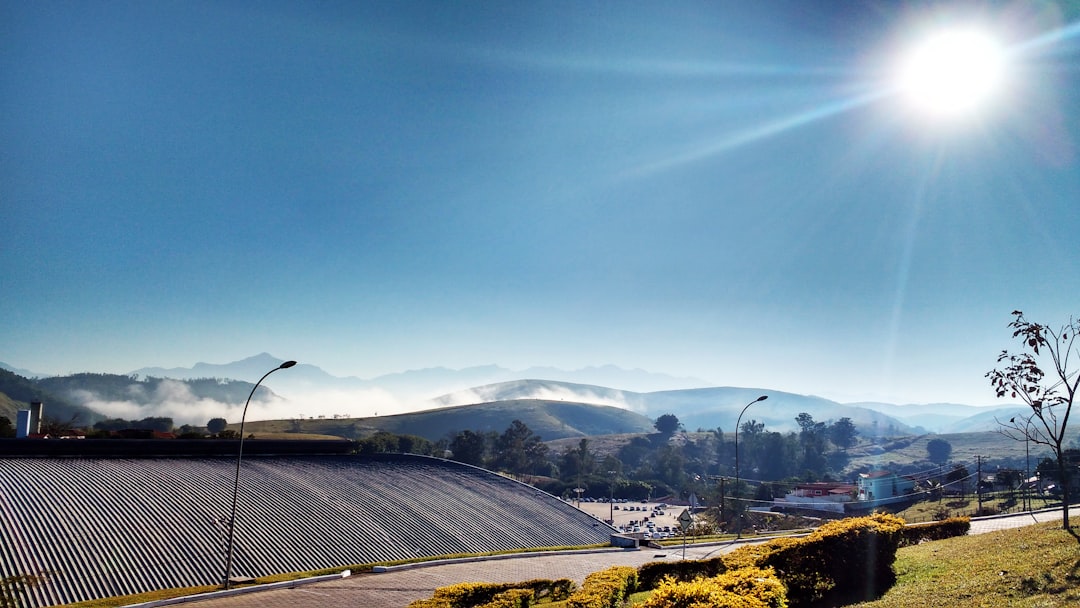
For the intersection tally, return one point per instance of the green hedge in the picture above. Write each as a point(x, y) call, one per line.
point(496, 595)
point(651, 574)
point(841, 562)
point(511, 598)
point(938, 530)
point(605, 589)
point(743, 588)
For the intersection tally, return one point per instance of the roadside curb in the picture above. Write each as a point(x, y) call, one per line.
point(485, 558)
point(241, 590)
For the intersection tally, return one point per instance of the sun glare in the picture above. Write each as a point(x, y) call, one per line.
point(952, 73)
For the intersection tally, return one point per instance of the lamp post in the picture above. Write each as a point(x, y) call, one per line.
point(611, 497)
point(239, 458)
point(738, 528)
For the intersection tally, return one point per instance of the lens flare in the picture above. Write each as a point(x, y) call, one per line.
point(953, 73)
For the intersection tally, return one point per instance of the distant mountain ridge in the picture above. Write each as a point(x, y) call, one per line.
point(697, 404)
point(704, 408)
point(420, 384)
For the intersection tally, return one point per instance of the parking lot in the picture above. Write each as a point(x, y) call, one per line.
point(661, 515)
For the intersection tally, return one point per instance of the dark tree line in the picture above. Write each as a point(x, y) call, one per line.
point(663, 463)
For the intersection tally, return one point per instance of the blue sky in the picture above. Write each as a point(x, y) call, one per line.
point(726, 190)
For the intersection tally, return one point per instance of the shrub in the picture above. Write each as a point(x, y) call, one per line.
point(496, 595)
point(948, 528)
point(651, 574)
point(467, 595)
point(845, 560)
point(511, 598)
point(757, 583)
point(605, 589)
point(744, 588)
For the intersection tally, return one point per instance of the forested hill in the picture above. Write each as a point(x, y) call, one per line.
point(64, 396)
point(16, 393)
point(549, 419)
point(115, 387)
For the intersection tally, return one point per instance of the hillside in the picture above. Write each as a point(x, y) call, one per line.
point(114, 387)
point(1028, 567)
point(16, 393)
point(79, 397)
point(193, 400)
point(702, 408)
point(547, 419)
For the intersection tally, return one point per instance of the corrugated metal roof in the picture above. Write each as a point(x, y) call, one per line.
point(109, 527)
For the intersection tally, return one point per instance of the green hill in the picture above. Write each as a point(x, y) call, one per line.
point(547, 419)
point(17, 392)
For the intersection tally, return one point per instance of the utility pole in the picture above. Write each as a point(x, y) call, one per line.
point(722, 520)
point(978, 483)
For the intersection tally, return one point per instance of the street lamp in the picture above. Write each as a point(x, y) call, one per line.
point(239, 458)
point(738, 528)
point(611, 497)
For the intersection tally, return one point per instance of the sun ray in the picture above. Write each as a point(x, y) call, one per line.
point(759, 132)
point(1051, 38)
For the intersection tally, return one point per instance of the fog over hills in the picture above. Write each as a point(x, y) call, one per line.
point(308, 391)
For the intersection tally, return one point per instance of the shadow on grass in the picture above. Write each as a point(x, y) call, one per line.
point(1072, 530)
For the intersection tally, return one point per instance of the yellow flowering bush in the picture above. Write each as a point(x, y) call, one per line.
point(605, 589)
point(744, 588)
point(844, 560)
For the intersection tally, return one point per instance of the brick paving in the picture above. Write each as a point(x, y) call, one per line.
point(395, 589)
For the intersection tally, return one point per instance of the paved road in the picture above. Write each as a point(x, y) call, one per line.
point(397, 588)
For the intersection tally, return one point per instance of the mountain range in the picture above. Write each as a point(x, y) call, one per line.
point(696, 404)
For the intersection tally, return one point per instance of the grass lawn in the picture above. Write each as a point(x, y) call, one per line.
point(1033, 566)
point(929, 510)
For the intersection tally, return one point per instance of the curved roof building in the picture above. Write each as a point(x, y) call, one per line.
point(104, 527)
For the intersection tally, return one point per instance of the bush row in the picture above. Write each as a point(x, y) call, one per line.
point(938, 530)
point(605, 589)
point(842, 561)
point(496, 595)
point(743, 588)
point(651, 574)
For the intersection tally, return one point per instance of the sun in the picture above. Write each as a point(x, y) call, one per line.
point(953, 73)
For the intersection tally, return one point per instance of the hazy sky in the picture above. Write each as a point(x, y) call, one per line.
point(729, 190)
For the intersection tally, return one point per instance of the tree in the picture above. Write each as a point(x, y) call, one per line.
point(6, 428)
point(469, 447)
point(56, 426)
point(669, 466)
point(163, 424)
point(216, 425)
point(938, 450)
point(382, 442)
point(958, 475)
point(752, 427)
point(843, 433)
point(577, 463)
point(668, 424)
point(812, 445)
point(414, 444)
point(1039, 374)
point(518, 450)
point(807, 426)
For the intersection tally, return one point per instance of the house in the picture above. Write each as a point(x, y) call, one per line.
point(883, 485)
point(818, 495)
